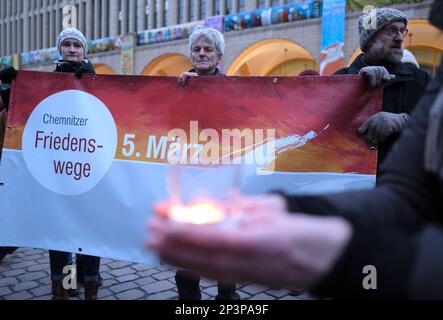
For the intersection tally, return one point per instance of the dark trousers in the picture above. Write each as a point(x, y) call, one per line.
point(59, 259)
point(188, 286)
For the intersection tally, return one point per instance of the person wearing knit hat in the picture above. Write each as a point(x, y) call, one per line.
point(382, 33)
point(73, 48)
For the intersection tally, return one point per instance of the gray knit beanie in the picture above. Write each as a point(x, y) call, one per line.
point(72, 33)
point(374, 20)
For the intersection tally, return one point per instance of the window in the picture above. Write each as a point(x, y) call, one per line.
point(229, 7)
point(202, 9)
point(241, 5)
point(216, 7)
point(181, 11)
point(191, 10)
point(261, 4)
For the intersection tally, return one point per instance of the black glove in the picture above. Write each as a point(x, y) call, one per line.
point(381, 125)
point(66, 66)
point(73, 67)
point(8, 74)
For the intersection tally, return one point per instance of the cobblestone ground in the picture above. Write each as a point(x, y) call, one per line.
point(25, 275)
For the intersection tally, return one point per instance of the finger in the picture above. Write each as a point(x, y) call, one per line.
point(371, 134)
point(365, 126)
point(162, 208)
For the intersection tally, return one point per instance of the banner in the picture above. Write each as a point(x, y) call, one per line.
point(127, 55)
point(84, 160)
point(333, 36)
point(273, 15)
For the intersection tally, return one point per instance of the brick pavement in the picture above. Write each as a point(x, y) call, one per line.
point(25, 275)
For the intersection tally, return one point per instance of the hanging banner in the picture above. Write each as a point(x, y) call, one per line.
point(127, 55)
point(84, 160)
point(333, 36)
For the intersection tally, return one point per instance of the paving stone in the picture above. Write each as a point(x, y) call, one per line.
point(165, 295)
point(32, 276)
point(33, 257)
point(131, 294)
point(123, 287)
point(119, 264)
point(164, 275)
point(109, 282)
point(25, 285)
point(4, 291)
point(8, 281)
point(103, 293)
point(41, 290)
point(23, 264)
point(212, 291)
point(13, 272)
point(105, 275)
point(121, 272)
point(145, 281)
point(38, 267)
point(141, 267)
point(22, 295)
point(253, 289)
point(148, 273)
point(262, 296)
point(158, 286)
point(278, 293)
point(45, 280)
point(129, 277)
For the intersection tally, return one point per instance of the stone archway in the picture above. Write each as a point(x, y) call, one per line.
point(171, 64)
point(272, 57)
point(103, 69)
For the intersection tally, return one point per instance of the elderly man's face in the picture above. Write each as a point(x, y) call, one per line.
point(204, 56)
point(387, 45)
point(72, 50)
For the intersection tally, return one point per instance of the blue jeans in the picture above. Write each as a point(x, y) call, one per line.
point(59, 259)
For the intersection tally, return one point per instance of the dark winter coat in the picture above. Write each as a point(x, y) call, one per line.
point(398, 226)
point(399, 96)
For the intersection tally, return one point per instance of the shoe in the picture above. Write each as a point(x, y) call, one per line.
point(73, 292)
point(91, 290)
point(234, 296)
point(4, 251)
point(295, 293)
point(58, 292)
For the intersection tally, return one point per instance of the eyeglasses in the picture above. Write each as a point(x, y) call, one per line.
point(393, 31)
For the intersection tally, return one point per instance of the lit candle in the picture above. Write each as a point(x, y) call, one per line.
point(197, 213)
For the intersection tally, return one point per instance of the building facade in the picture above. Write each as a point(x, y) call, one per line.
point(149, 37)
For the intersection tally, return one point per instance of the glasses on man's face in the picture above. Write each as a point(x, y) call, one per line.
point(393, 31)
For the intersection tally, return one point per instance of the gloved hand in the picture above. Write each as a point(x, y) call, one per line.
point(77, 68)
point(376, 75)
point(381, 125)
point(184, 77)
point(8, 74)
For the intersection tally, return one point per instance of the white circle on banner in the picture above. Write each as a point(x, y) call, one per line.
point(69, 142)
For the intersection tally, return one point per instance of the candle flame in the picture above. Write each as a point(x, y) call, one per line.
point(199, 213)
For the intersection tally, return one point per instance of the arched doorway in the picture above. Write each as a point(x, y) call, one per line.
point(103, 69)
point(272, 57)
point(171, 64)
point(424, 41)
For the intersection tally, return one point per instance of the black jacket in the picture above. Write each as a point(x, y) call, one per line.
point(399, 96)
point(397, 226)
